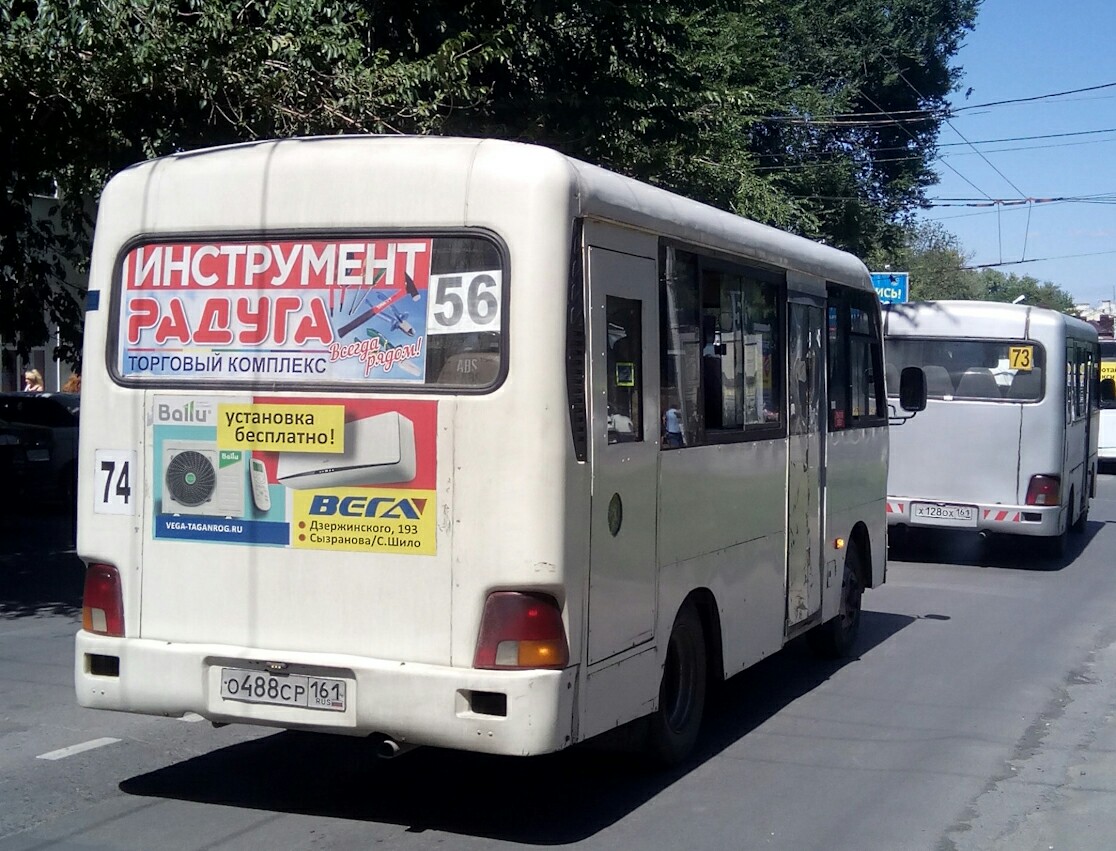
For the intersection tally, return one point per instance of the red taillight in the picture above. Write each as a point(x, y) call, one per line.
point(520, 630)
point(1043, 490)
point(102, 609)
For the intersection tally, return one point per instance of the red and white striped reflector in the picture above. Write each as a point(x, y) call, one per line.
point(997, 515)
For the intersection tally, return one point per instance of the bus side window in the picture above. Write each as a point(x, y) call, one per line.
point(722, 350)
point(866, 358)
point(838, 364)
point(857, 396)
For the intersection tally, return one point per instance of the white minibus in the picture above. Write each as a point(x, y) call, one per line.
point(1008, 440)
point(463, 443)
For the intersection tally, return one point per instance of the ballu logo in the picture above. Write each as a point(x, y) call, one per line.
point(193, 412)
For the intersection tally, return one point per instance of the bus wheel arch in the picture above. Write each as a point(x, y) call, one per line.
point(675, 724)
point(860, 539)
point(710, 614)
point(836, 637)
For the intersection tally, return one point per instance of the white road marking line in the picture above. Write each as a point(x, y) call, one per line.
point(76, 749)
point(191, 718)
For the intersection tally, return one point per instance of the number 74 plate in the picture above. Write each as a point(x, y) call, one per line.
point(284, 689)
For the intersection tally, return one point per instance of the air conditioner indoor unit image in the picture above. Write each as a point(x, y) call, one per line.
point(196, 481)
point(378, 450)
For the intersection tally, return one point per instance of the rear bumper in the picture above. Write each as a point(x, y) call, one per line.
point(414, 703)
point(1033, 520)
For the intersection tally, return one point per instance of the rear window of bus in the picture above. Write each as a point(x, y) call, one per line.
point(975, 370)
point(351, 311)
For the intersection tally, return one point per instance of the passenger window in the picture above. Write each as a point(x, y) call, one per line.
point(680, 339)
point(625, 370)
point(739, 321)
point(1077, 381)
point(722, 351)
point(856, 379)
point(838, 364)
point(865, 363)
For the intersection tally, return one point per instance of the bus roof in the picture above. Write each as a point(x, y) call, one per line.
point(979, 319)
point(244, 170)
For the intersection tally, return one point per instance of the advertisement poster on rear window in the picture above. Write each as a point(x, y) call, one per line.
point(321, 474)
point(305, 311)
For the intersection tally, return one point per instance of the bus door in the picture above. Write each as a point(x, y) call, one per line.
point(624, 369)
point(805, 457)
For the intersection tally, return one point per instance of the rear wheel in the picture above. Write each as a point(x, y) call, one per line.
point(675, 724)
point(835, 638)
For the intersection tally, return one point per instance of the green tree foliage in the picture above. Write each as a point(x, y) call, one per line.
point(997, 286)
point(873, 77)
point(758, 107)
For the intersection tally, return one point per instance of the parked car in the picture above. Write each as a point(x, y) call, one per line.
point(39, 439)
point(13, 469)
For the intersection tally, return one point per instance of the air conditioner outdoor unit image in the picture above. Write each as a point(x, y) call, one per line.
point(195, 481)
point(378, 450)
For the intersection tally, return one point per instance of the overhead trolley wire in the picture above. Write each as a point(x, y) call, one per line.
point(868, 119)
point(1034, 97)
point(1037, 260)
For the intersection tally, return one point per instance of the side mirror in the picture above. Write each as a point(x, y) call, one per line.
point(912, 389)
point(1108, 390)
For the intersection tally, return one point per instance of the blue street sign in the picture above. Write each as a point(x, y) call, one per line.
point(891, 287)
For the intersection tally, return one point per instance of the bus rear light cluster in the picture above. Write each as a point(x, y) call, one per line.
point(1044, 490)
point(520, 630)
point(102, 610)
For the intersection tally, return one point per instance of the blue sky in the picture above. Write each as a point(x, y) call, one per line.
point(1020, 49)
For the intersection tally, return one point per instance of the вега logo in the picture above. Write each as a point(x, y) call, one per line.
point(387, 507)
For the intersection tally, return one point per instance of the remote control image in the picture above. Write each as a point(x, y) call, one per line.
point(261, 496)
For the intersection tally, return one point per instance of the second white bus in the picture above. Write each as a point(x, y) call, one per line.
point(463, 443)
point(1106, 433)
point(1008, 441)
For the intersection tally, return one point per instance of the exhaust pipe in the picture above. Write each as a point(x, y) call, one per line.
point(388, 748)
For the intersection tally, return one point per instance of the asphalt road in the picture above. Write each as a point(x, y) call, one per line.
point(980, 713)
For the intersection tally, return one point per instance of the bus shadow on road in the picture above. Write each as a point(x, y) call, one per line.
point(945, 546)
point(548, 800)
point(40, 574)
